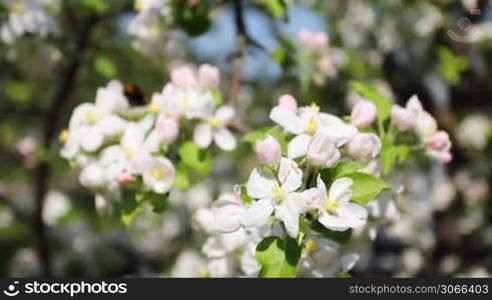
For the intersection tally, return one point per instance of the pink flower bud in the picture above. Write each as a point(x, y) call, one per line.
point(320, 40)
point(322, 151)
point(439, 141)
point(268, 151)
point(402, 118)
point(364, 113)
point(446, 157)
point(208, 76)
point(167, 130)
point(305, 37)
point(288, 102)
point(125, 177)
point(183, 77)
point(364, 146)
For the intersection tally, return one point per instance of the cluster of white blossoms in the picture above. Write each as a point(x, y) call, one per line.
point(119, 145)
point(27, 17)
point(312, 179)
point(147, 27)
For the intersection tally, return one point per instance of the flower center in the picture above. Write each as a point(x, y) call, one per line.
point(159, 173)
point(155, 29)
point(129, 151)
point(310, 247)
point(18, 7)
point(215, 122)
point(90, 117)
point(330, 205)
point(203, 271)
point(278, 193)
point(63, 137)
point(311, 126)
point(153, 108)
point(138, 5)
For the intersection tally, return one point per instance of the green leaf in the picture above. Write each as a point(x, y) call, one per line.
point(18, 91)
point(129, 207)
point(342, 237)
point(366, 187)
point(370, 93)
point(196, 158)
point(105, 67)
point(276, 7)
point(278, 257)
point(182, 181)
point(98, 6)
point(158, 201)
point(341, 169)
point(217, 96)
point(255, 135)
point(391, 154)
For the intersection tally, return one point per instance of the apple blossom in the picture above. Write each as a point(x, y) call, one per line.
point(364, 113)
point(402, 118)
point(364, 146)
point(278, 194)
point(214, 128)
point(208, 76)
point(167, 130)
point(336, 212)
point(268, 151)
point(158, 174)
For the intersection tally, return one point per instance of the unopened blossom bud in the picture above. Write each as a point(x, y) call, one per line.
point(288, 102)
point(167, 130)
point(322, 151)
point(402, 118)
point(446, 157)
point(364, 113)
point(92, 176)
point(364, 146)
point(320, 40)
point(439, 141)
point(208, 76)
point(268, 151)
point(183, 77)
point(125, 177)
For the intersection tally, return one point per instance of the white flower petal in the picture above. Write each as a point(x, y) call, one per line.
point(203, 135)
point(225, 113)
point(260, 184)
point(225, 139)
point(289, 212)
point(298, 146)
point(289, 175)
point(339, 133)
point(227, 215)
point(287, 119)
point(92, 139)
point(257, 214)
point(340, 190)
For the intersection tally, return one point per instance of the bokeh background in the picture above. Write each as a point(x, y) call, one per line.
point(54, 54)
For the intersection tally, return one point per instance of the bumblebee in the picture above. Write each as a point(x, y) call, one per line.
point(135, 95)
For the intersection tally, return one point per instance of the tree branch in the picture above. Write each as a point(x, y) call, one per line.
point(44, 170)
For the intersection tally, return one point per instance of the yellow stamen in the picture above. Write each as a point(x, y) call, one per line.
point(215, 122)
point(278, 193)
point(129, 151)
point(90, 117)
point(311, 126)
point(63, 137)
point(310, 247)
point(159, 173)
point(203, 271)
point(155, 29)
point(330, 205)
point(153, 108)
point(138, 5)
point(18, 7)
